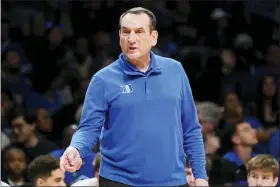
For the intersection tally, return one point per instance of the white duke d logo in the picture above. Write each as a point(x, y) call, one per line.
point(127, 88)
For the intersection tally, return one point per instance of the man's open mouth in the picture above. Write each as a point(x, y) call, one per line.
point(132, 48)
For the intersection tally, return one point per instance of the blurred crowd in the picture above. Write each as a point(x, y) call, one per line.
point(230, 51)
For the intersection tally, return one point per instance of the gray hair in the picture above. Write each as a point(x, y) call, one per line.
point(211, 112)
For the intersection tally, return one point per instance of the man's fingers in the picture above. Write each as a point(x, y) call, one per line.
point(79, 164)
point(70, 169)
point(70, 158)
point(62, 163)
point(70, 161)
point(78, 161)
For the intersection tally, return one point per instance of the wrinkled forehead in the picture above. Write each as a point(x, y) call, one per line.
point(135, 21)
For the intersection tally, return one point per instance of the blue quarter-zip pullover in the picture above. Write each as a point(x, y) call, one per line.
point(148, 121)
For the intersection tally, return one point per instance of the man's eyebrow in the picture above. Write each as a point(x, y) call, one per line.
point(139, 28)
point(123, 27)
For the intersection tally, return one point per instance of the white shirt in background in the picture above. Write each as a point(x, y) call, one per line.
point(87, 182)
point(4, 184)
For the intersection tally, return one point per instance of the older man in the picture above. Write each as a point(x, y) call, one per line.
point(143, 106)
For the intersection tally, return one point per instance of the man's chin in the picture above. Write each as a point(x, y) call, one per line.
point(133, 56)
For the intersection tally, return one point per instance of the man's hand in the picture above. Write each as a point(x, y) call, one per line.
point(201, 182)
point(71, 160)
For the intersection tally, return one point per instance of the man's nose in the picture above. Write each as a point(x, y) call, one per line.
point(15, 131)
point(259, 182)
point(132, 37)
point(62, 183)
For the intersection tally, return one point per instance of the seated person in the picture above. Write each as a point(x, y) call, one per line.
point(241, 138)
point(15, 166)
point(262, 170)
point(45, 171)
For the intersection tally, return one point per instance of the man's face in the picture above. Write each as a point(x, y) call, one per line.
point(56, 179)
point(245, 135)
point(6, 104)
point(44, 120)
point(269, 86)
point(228, 58)
point(190, 177)
point(261, 178)
point(22, 130)
point(55, 36)
point(16, 163)
point(206, 127)
point(136, 39)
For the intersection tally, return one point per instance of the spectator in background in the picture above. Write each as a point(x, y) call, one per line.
point(268, 108)
point(16, 164)
point(25, 137)
point(263, 170)
point(220, 37)
point(47, 69)
point(92, 181)
point(44, 124)
point(209, 116)
point(235, 78)
point(45, 171)
point(233, 110)
point(83, 56)
point(12, 77)
point(246, 54)
point(7, 44)
point(272, 66)
point(85, 171)
point(7, 104)
point(242, 138)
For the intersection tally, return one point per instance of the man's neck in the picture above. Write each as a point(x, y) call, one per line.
point(31, 142)
point(142, 64)
point(244, 153)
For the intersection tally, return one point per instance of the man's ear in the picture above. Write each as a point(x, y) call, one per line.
point(154, 36)
point(39, 182)
point(235, 139)
point(275, 181)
